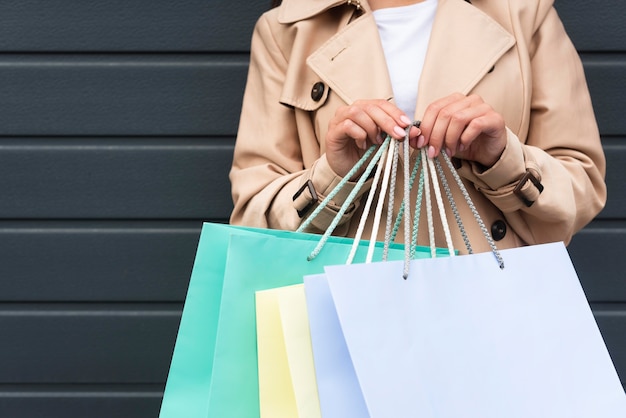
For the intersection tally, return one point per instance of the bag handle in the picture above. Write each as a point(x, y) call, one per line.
point(477, 217)
point(441, 175)
point(431, 171)
point(342, 210)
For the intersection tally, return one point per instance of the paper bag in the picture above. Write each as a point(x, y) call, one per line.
point(463, 338)
point(339, 391)
point(287, 384)
point(191, 371)
point(256, 263)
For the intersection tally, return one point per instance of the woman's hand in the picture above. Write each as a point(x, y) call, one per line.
point(465, 127)
point(356, 127)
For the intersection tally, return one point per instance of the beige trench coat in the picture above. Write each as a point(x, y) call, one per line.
point(309, 57)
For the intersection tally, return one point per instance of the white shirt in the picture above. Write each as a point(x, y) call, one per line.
point(405, 33)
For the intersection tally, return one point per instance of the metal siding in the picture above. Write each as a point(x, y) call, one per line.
point(115, 178)
point(121, 95)
point(133, 26)
point(96, 261)
point(116, 132)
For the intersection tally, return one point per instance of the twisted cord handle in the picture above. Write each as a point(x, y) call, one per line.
point(431, 170)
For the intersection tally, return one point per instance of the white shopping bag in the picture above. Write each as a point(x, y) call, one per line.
point(463, 338)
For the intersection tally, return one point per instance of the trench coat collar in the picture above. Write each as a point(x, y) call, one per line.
point(465, 44)
point(294, 10)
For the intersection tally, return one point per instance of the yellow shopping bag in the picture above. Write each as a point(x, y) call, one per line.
point(287, 385)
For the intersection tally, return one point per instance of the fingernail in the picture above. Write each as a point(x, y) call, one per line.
point(399, 131)
point(362, 145)
point(420, 141)
point(405, 119)
point(461, 147)
point(431, 152)
point(379, 138)
point(448, 152)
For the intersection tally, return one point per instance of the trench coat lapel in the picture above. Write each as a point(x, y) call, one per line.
point(464, 45)
point(352, 62)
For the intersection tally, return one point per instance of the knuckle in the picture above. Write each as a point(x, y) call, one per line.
point(352, 112)
point(477, 124)
point(446, 113)
point(347, 125)
point(434, 108)
point(359, 135)
point(368, 107)
point(458, 118)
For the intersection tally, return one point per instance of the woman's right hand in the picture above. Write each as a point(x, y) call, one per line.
point(356, 127)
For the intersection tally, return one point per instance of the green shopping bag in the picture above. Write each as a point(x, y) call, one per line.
point(213, 372)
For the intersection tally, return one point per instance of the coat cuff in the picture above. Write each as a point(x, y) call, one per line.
point(507, 184)
point(320, 183)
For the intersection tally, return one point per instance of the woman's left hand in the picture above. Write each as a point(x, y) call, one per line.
point(465, 127)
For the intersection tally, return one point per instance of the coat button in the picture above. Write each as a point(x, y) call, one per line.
point(317, 92)
point(498, 230)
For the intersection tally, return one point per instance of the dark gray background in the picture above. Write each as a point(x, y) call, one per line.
point(117, 121)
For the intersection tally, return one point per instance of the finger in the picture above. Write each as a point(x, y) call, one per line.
point(414, 132)
point(358, 124)
point(487, 139)
point(396, 113)
point(432, 112)
point(418, 142)
point(448, 126)
point(387, 116)
point(464, 127)
point(484, 121)
point(345, 133)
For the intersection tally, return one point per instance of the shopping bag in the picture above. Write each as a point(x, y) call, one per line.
point(257, 263)
point(338, 388)
point(287, 384)
point(463, 338)
point(269, 259)
point(189, 377)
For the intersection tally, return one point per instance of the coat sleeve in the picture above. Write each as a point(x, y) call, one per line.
point(562, 150)
point(268, 166)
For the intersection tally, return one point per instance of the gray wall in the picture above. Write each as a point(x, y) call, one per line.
point(117, 121)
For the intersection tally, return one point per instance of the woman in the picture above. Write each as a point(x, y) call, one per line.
point(498, 85)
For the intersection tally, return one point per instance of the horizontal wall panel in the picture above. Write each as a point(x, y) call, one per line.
point(594, 26)
point(597, 253)
point(98, 262)
point(97, 178)
point(95, 343)
point(216, 25)
point(116, 95)
point(606, 77)
point(76, 347)
point(122, 25)
point(86, 401)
